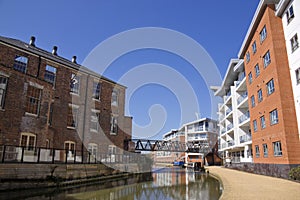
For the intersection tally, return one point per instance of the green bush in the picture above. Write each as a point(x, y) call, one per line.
point(295, 173)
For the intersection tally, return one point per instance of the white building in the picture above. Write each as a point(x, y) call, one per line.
point(289, 11)
point(235, 143)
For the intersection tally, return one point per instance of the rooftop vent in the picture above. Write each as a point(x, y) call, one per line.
point(74, 59)
point(54, 50)
point(32, 41)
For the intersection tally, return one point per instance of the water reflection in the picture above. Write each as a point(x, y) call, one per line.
point(164, 184)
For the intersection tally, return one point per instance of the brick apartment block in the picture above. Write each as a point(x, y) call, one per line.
point(49, 101)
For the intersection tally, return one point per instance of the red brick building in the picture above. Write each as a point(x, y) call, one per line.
point(49, 101)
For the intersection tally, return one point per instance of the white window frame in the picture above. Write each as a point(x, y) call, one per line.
point(20, 63)
point(257, 70)
point(28, 146)
point(263, 122)
point(263, 34)
point(254, 125)
point(274, 117)
point(294, 43)
point(68, 146)
point(267, 58)
point(265, 149)
point(270, 87)
point(75, 84)
point(93, 149)
point(277, 148)
point(257, 153)
point(297, 72)
point(3, 86)
point(32, 100)
point(50, 72)
point(259, 95)
point(95, 119)
point(290, 14)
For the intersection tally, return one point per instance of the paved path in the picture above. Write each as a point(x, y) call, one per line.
point(242, 185)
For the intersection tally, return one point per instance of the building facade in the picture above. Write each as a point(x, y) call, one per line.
point(235, 139)
point(48, 101)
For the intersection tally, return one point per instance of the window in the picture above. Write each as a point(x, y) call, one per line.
point(262, 122)
point(267, 59)
point(114, 97)
point(277, 148)
point(112, 149)
point(270, 87)
point(252, 101)
point(254, 47)
point(257, 71)
point(274, 117)
point(74, 84)
point(20, 63)
point(263, 34)
point(33, 100)
point(248, 56)
point(297, 78)
point(70, 146)
point(28, 140)
point(265, 148)
point(113, 125)
point(290, 14)
point(93, 149)
point(250, 78)
point(294, 43)
point(3, 85)
point(72, 119)
point(96, 90)
point(95, 116)
point(259, 95)
point(50, 74)
point(256, 151)
point(255, 125)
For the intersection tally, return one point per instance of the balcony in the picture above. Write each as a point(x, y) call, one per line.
point(229, 127)
point(241, 98)
point(245, 138)
point(244, 117)
point(229, 109)
point(230, 143)
point(223, 131)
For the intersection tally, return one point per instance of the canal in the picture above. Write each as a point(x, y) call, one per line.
point(164, 184)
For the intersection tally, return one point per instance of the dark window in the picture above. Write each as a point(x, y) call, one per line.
point(20, 63)
point(294, 43)
point(50, 74)
point(72, 119)
point(33, 100)
point(259, 95)
point(263, 34)
point(274, 117)
point(74, 84)
point(250, 78)
point(267, 59)
point(254, 47)
point(96, 90)
point(290, 14)
point(270, 87)
point(277, 148)
point(3, 85)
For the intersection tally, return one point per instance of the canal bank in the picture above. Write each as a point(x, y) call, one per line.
point(243, 185)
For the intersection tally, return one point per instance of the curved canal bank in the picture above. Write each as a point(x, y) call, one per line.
point(243, 185)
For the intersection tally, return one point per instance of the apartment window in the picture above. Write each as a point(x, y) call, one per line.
point(294, 43)
point(114, 97)
point(3, 85)
point(257, 71)
point(277, 148)
point(50, 74)
point(265, 148)
point(95, 116)
point(267, 59)
point(75, 83)
point(113, 125)
point(69, 146)
point(290, 14)
point(250, 78)
point(33, 100)
point(259, 95)
point(72, 119)
point(262, 122)
point(256, 151)
point(274, 117)
point(263, 34)
point(252, 101)
point(270, 87)
point(297, 77)
point(96, 90)
point(255, 125)
point(112, 149)
point(93, 149)
point(248, 56)
point(28, 140)
point(20, 63)
point(254, 47)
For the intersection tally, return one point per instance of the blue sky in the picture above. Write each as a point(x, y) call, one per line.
point(77, 27)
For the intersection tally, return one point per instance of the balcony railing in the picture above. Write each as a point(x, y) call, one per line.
point(229, 127)
point(228, 110)
point(223, 130)
point(245, 138)
point(241, 98)
point(244, 117)
point(230, 143)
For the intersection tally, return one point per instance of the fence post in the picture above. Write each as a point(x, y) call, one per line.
point(22, 155)
point(89, 157)
point(74, 156)
point(39, 153)
point(53, 155)
point(3, 154)
point(66, 160)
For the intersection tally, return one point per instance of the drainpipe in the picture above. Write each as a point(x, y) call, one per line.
point(84, 116)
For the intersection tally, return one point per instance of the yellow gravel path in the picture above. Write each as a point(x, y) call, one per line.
point(242, 185)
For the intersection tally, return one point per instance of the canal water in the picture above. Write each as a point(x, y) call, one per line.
point(163, 184)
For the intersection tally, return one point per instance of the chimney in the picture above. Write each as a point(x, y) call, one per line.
point(74, 59)
point(32, 41)
point(54, 50)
